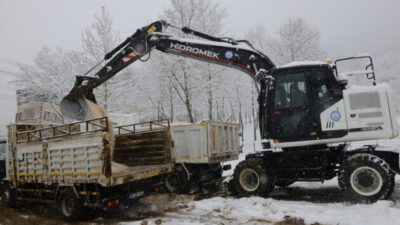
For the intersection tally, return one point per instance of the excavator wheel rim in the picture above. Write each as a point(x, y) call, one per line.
point(246, 179)
point(372, 189)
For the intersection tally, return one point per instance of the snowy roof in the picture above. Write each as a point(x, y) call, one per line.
point(303, 63)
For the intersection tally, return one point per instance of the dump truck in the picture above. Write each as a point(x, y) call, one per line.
point(74, 166)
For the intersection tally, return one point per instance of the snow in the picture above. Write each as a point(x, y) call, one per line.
point(123, 119)
point(356, 72)
point(257, 210)
point(214, 43)
point(302, 63)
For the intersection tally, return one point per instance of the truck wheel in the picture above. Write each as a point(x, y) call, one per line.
point(251, 178)
point(366, 178)
point(284, 183)
point(177, 181)
point(70, 206)
point(8, 197)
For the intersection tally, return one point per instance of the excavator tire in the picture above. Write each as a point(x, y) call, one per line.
point(252, 178)
point(366, 178)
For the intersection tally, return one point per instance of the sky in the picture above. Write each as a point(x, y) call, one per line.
point(26, 26)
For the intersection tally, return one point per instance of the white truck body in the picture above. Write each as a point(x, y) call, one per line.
point(206, 142)
point(77, 157)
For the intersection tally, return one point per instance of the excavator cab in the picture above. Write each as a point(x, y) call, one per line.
point(311, 103)
point(298, 95)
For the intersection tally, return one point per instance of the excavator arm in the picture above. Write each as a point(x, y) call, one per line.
point(238, 54)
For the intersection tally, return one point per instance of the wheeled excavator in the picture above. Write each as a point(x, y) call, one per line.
point(309, 114)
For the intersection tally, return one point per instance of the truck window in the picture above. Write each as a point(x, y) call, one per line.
point(18, 117)
point(46, 116)
point(2, 149)
point(53, 117)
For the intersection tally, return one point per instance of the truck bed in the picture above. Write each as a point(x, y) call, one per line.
point(85, 157)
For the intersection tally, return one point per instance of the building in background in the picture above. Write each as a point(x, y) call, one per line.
point(37, 109)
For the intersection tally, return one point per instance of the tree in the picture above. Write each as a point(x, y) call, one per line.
point(295, 41)
point(97, 40)
point(188, 77)
point(54, 70)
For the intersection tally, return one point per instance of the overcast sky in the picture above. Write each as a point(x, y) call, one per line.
point(25, 26)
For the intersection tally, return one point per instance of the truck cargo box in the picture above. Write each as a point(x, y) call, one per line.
point(80, 153)
point(206, 142)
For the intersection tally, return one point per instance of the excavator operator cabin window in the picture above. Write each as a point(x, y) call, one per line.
point(291, 106)
point(327, 91)
point(290, 91)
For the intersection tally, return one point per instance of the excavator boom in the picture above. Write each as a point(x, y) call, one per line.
point(238, 54)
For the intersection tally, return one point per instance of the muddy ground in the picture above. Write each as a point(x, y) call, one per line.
point(153, 207)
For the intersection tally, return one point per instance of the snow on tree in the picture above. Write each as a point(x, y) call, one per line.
point(54, 70)
point(51, 77)
point(97, 40)
point(187, 82)
point(295, 41)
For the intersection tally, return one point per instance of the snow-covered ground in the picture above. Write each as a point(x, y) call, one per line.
point(256, 210)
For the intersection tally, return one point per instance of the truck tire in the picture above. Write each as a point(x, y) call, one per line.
point(8, 197)
point(70, 206)
point(252, 178)
point(177, 181)
point(366, 178)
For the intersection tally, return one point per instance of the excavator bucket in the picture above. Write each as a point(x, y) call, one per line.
point(74, 104)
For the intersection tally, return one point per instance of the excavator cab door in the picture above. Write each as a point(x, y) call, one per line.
point(291, 114)
point(297, 98)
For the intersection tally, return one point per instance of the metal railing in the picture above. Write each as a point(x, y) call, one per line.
point(77, 128)
point(143, 126)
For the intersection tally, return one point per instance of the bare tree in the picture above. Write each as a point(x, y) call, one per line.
point(186, 76)
point(54, 70)
point(98, 39)
point(50, 78)
point(295, 41)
